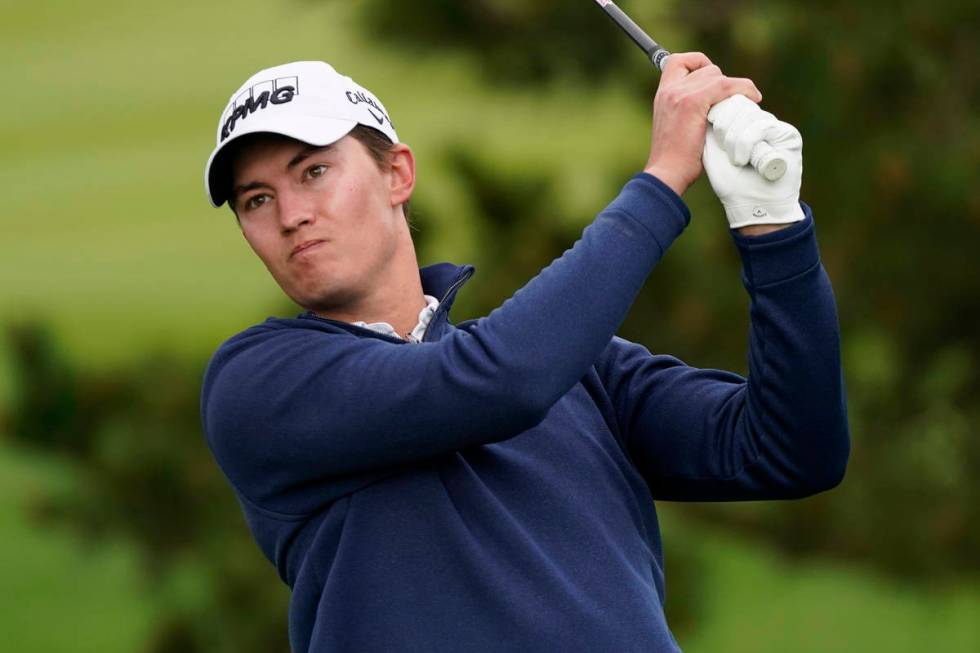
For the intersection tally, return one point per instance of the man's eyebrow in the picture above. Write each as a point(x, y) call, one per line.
point(305, 153)
point(238, 190)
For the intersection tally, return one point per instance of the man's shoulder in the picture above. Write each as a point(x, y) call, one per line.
point(272, 331)
point(272, 327)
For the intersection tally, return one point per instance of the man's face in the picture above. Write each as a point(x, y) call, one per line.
point(323, 220)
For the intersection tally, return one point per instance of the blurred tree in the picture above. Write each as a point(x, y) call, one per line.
point(144, 475)
point(516, 42)
point(883, 93)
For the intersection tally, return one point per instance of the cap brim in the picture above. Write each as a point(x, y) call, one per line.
point(314, 130)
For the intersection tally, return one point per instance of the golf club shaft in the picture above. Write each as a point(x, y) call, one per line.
point(654, 51)
point(765, 158)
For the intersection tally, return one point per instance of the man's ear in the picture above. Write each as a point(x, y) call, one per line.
point(402, 178)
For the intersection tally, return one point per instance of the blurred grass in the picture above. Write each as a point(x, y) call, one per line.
point(58, 593)
point(762, 603)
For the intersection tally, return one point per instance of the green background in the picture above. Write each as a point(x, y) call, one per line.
point(116, 533)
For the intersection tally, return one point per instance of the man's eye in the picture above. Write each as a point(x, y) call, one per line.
point(317, 171)
point(255, 201)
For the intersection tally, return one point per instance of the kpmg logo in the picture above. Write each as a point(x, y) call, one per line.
point(259, 96)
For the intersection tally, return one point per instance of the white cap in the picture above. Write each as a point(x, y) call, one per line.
point(305, 100)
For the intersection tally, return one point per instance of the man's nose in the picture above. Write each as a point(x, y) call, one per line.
point(295, 209)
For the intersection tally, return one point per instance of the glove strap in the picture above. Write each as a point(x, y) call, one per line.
point(744, 215)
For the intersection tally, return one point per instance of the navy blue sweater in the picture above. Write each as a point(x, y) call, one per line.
point(491, 488)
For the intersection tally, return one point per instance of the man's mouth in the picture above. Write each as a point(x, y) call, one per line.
point(304, 246)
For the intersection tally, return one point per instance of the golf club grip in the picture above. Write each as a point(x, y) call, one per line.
point(768, 161)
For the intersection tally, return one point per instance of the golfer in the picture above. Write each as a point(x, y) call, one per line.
point(424, 486)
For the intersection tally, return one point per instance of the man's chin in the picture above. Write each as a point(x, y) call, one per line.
point(323, 301)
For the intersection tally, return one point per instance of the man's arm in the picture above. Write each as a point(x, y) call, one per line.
point(709, 435)
point(761, 229)
point(286, 407)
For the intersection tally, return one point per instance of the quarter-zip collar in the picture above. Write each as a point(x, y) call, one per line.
point(442, 280)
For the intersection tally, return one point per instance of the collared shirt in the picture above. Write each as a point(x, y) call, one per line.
point(416, 335)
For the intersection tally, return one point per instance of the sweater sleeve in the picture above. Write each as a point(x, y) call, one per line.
point(284, 407)
point(710, 435)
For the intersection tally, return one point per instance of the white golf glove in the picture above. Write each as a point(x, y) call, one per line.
point(737, 125)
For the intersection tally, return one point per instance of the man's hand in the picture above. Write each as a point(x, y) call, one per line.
point(689, 87)
point(738, 125)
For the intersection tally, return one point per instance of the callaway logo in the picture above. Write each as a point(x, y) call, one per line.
point(259, 96)
point(360, 97)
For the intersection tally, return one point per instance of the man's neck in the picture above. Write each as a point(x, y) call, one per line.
point(397, 302)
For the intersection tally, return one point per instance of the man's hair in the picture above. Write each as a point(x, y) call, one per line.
point(378, 145)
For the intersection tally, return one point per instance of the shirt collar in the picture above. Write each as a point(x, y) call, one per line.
point(425, 315)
